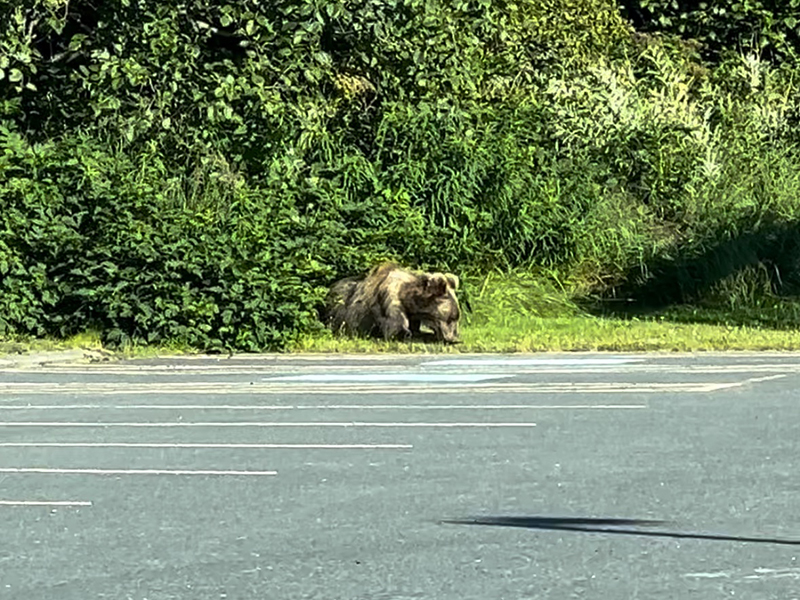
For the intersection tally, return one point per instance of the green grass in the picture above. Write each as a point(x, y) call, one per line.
point(587, 333)
point(577, 333)
point(89, 340)
point(516, 334)
point(534, 313)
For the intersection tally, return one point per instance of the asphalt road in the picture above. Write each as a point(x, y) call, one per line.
point(324, 477)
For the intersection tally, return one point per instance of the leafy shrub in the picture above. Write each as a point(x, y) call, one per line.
point(89, 241)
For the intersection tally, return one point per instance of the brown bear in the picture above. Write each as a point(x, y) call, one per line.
point(393, 302)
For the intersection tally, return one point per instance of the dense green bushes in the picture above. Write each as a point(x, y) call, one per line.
point(771, 27)
point(90, 240)
point(200, 171)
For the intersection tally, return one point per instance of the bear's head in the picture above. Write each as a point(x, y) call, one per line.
point(439, 308)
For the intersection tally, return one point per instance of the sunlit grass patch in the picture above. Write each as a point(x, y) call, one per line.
point(89, 340)
point(535, 313)
point(575, 334)
point(528, 313)
point(327, 342)
point(599, 334)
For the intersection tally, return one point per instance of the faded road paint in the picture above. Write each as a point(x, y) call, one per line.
point(386, 377)
point(531, 362)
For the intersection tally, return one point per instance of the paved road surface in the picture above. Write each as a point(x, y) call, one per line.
point(323, 477)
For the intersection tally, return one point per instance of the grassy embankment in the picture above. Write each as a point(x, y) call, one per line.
point(522, 314)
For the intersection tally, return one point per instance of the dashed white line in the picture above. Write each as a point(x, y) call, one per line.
point(702, 575)
point(721, 386)
point(45, 503)
point(516, 362)
point(330, 389)
point(386, 377)
point(242, 407)
point(518, 370)
point(49, 471)
point(345, 424)
point(210, 446)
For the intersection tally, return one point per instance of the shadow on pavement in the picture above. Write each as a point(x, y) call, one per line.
point(611, 526)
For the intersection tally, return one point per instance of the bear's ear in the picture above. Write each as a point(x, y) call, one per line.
point(433, 285)
point(452, 280)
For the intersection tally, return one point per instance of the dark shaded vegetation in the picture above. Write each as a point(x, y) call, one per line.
point(686, 279)
point(726, 26)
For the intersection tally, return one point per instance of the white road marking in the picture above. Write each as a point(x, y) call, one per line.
point(751, 380)
point(44, 503)
point(242, 407)
point(715, 575)
point(48, 471)
point(756, 574)
point(226, 388)
point(386, 377)
point(527, 362)
point(212, 370)
point(214, 446)
point(660, 369)
point(765, 573)
point(257, 424)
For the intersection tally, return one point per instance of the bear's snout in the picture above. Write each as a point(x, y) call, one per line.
point(448, 333)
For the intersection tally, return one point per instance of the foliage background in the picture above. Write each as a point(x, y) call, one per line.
point(200, 171)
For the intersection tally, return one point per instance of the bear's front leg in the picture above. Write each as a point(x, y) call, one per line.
point(413, 326)
point(395, 324)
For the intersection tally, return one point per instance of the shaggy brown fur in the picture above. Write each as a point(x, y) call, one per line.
point(394, 302)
